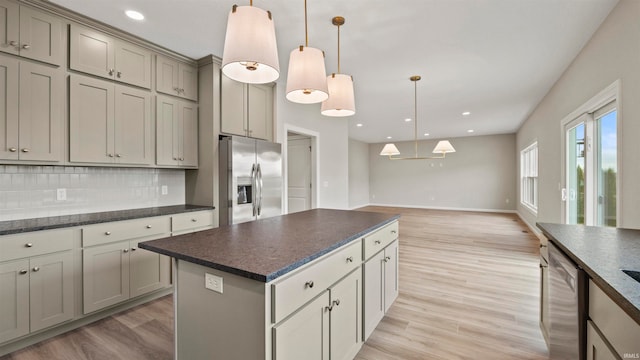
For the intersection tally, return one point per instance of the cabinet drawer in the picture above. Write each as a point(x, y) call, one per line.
point(303, 285)
point(191, 221)
point(124, 230)
point(379, 239)
point(35, 243)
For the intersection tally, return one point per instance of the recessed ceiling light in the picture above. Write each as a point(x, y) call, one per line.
point(359, 125)
point(388, 137)
point(134, 15)
point(407, 119)
point(470, 131)
point(426, 134)
point(466, 113)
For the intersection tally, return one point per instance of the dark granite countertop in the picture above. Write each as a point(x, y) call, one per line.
point(265, 249)
point(602, 252)
point(56, 222)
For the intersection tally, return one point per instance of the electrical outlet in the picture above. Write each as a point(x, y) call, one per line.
point(61, 194)
point(213, 282)
point(165, 189)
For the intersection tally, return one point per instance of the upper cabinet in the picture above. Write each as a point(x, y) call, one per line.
point(247, 109)
point(176, 132)
point(31, 33)
point(32, 103)
point(95, 53)
point(176, 78)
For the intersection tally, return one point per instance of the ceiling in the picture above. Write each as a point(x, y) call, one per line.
point(493, 58)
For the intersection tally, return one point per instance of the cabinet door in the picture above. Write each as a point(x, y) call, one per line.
point(233, 119)
point(133, 64)
point(544, 298)
point(373, 293)
point(147, 271)
point(597, 348)
point(166, 75)
point(41, 112)
point(260, 111)
point(91, 52)
point(304, 335)
point(132, 126)
point(41, 36)
point(8, 107)
point(346, 324)
point(14, 299)
point(9, 27)
point(188, 128)
point(91, 128)
point(390, 274)
point(105, 275)
point(167, 145)
point(188, 81)
point(51, 289)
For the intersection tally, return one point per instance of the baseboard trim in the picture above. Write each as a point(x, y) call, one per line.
point(358, 206)
point(506, 211)
point(531, 227)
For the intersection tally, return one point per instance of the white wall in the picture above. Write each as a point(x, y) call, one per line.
point(479, 176)
point(612, 53)
point(333, 147)
point(358, 174)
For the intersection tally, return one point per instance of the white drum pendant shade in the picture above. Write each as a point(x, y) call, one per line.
point(250, 49)
point(307, 76)
point(341, 101)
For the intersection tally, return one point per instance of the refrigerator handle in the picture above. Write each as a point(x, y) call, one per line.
point(253, 186)
point(259, 178)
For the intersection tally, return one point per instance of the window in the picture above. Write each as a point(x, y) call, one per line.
point(529, 177)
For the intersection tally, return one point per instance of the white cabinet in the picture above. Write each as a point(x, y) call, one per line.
point(380, 286)
point(36, 278)
point(96, 53)
point(345, 332)
point(544, 291)
point(31, 119)
point(109, 123)
point(176, 78)
point(597, 348)
point(191, 221)
point(31, 33)
point(114, 269)
point(176, 132)
point(246, 109)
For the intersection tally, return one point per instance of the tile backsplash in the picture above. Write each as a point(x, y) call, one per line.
point(31, 191)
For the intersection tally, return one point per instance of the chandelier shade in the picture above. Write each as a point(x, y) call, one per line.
point(250, 49)
point(443, 147)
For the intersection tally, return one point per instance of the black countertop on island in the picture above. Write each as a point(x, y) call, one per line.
point(265, 249)
point(57, 222)
point(603, 252)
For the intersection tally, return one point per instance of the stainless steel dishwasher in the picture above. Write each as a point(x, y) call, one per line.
point(567, 307)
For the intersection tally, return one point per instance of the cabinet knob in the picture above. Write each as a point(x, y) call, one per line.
point(13, 149)
point(22, 272)
point(26, 46)
point(350, 259)
point(107, 232)
point(175, 158)
point(177, 89)
point(194, 220)
point(148, 226)
point(308, 284)
point(110, 155)
point(181, 159)
point(393, 231)
point(118, 155)
point(25, 150)
point(133, 249)
point(28, 245)
point(13, 43)
point(119, 74)
point(35, 269)
point(125, 250)
point(111, 72)
point(377, 242)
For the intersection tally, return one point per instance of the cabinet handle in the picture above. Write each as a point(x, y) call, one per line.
point(336, 302)
point(393, 231)
point(22, 272)
point(350, 259)
point(194, 220)
point(125, 250)
point(25, 150)
point(13, 149)
point(28, 245)
point(107, 232)
point(110, 155)
point(118, 155)
point(36, 269)
point(175, 158)
point(377, 242)
point(26, 46)
point(177, 89)
point(386, 259)
point(133, 249)
point(13, 43)
point(119, 74)
point(308, 284)
point(544, 266)
point(111, 72)
point(541, 246)
point(148, 226)
point(182, 91)
point(181, 159)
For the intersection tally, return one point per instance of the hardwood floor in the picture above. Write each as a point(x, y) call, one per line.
point(469, 289)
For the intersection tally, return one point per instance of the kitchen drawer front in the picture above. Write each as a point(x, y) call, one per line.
point(35, 243)
point(191, 221)
point(616, 326)
point(379, 239)
point(125, 230)
point(303, 285)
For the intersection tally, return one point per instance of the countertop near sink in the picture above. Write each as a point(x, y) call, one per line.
point(56, 222)
point(603, 252)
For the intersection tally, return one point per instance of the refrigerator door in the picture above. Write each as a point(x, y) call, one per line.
point(243, 169)
point(269, 179)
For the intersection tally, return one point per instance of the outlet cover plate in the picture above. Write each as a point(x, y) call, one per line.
point(213, 282)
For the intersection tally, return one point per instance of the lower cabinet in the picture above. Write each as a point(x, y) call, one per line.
point(37, 293)
point(597, 348)
point(380, 286)
point(544, 293)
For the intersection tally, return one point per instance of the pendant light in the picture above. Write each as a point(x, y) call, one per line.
point(306, 79)
point(341, 101)
point(443, 147)
point(250, 49)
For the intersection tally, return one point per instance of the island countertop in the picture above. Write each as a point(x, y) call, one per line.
point(266, 249)
point(602, 252)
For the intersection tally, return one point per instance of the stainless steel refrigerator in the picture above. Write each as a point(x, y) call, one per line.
point(250, 179)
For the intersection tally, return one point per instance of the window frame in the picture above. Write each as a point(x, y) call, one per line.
point(529, 187)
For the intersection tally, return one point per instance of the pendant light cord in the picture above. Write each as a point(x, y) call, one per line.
point(339, 49)
point(415, 116)
point(306, 31)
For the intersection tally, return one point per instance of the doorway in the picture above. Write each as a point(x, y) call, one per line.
point(300, 172)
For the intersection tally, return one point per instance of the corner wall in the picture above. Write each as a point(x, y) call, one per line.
point(358, 174)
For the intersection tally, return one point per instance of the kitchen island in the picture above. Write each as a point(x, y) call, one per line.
point(304, 285)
